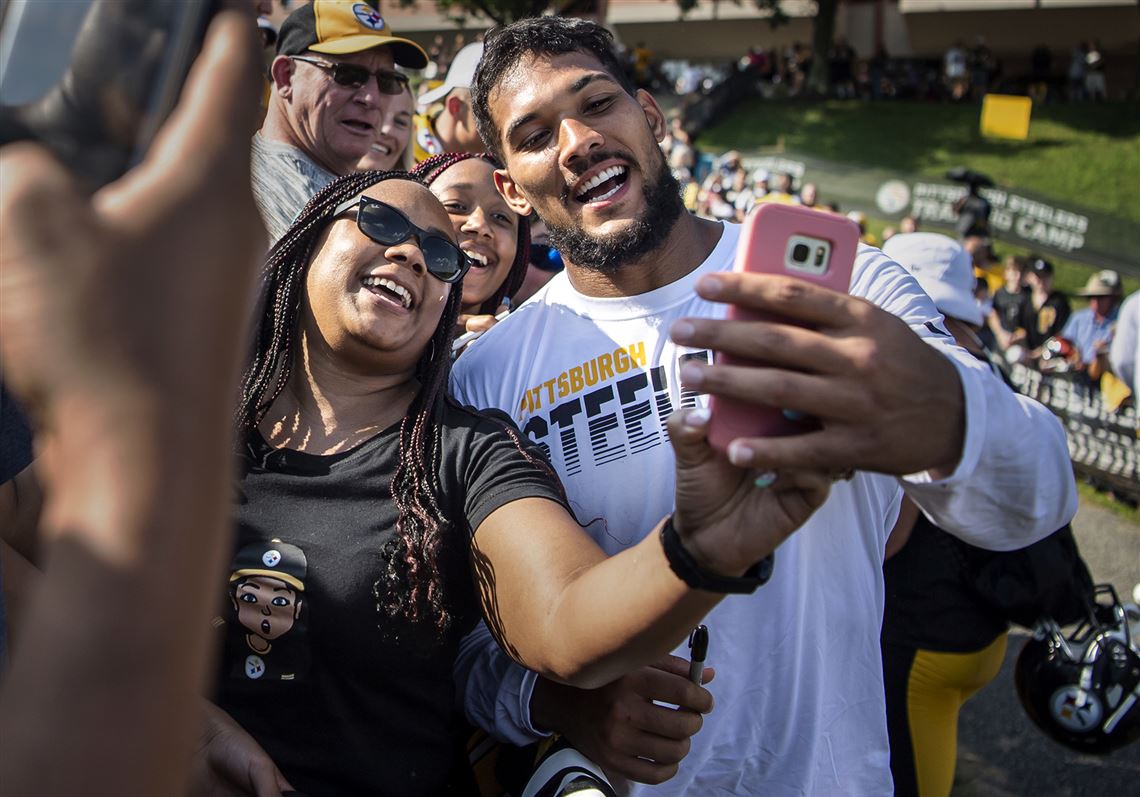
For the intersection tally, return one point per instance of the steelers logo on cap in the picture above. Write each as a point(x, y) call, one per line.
point(368, 16)
point(274, 558)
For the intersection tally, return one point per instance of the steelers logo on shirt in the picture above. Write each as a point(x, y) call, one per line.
point(428, 142)
point(254, 667)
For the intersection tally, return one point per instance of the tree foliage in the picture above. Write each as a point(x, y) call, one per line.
point(774, 8)
point(503, 12)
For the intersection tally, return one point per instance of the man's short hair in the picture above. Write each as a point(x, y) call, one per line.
point(505, 47)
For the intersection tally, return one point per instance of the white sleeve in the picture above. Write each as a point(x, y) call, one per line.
point(1014, 482)
point(1122, 354)
point(493, 690)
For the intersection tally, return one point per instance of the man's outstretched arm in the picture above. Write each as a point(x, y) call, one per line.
point(895, 395)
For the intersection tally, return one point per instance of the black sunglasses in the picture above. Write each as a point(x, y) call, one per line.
point(386, 225)
point(354, 76)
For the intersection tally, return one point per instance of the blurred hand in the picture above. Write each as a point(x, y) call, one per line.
point(470, 322)
point(475, 323)
point(888, 401)
point(619, 727)
point(141, 290)
point(121, 330)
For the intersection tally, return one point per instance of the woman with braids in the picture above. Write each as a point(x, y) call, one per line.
point(494, 237)
point(377, 521)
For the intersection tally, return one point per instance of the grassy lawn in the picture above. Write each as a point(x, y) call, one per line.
point(1088, 155)
point(1102, 499)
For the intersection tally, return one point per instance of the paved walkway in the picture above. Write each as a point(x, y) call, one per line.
point(1001, 753)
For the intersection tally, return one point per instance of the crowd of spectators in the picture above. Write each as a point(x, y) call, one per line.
point(965, 72)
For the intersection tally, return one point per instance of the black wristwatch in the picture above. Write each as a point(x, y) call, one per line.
point(685, 566)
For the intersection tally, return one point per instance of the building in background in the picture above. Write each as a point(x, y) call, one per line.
point(721, 30)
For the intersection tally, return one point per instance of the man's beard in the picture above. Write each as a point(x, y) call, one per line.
point(607, 253)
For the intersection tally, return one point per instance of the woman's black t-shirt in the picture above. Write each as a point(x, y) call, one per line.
point(346, 699)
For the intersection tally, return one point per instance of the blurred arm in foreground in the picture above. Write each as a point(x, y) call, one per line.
point(102, 335)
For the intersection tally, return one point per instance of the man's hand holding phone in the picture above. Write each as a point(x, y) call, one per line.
point(885, 400)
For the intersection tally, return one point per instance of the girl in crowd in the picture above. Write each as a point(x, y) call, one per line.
point(378, 521)
point(390, 150)
point(494, 237)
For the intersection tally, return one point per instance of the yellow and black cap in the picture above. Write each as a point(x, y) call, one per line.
point(275, 559)
point(339, 27)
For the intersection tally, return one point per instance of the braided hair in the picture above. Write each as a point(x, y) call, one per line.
point(436, 165)
point(414, 557)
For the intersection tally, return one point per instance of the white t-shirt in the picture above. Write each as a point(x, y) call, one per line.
point(1125, 353)
point(799, 686)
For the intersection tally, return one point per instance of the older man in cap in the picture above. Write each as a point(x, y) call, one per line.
point(333, 74)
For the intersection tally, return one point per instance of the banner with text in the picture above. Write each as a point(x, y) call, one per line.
point(1017, 217)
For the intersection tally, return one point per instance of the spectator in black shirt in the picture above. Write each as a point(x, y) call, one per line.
point(1009, 302)
point(973, 214)
point(1046, 312)
point(1041, 73)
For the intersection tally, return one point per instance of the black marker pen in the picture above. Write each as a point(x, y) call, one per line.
point(698, 652)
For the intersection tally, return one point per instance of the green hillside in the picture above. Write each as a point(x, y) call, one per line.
point(1084, 154)
point(1087, 155)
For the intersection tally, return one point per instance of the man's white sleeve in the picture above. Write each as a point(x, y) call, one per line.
point(1014, 482)
point(494, 690)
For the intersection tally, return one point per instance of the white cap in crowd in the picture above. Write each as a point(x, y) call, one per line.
point(943, 269)
point(460, 75)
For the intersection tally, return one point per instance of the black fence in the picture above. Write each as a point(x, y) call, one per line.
point(1102, 442)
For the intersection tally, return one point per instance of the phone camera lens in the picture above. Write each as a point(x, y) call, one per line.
point(800, 253)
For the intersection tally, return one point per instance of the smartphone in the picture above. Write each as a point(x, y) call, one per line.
point(95, 79)
point(794, 241)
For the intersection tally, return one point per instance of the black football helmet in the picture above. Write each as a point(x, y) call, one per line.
point(1084, 689)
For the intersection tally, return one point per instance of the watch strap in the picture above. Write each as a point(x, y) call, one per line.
point(688, 570)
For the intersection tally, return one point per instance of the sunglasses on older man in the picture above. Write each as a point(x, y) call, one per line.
point(386, 225)
point(353, 76)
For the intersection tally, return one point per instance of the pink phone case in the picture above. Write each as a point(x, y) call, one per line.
point(764, 241)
